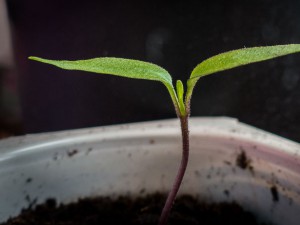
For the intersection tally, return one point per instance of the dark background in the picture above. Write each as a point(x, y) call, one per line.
point(176, 35)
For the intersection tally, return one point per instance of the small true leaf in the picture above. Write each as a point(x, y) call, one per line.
point(179, 89)
point(180, 92)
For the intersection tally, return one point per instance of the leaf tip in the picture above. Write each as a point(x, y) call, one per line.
point(34, 58)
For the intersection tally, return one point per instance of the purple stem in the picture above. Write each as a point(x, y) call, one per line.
point(181, 171)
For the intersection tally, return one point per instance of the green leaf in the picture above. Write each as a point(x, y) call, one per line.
point(180, 92)
point(236, 58)
point(179, 89)
point(114, 66)
point(120, 67)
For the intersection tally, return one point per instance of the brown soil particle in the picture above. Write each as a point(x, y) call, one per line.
point(127, 211)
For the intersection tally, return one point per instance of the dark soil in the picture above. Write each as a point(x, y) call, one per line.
point(126, 211)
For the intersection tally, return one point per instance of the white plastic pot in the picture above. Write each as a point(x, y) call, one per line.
point(142, 158)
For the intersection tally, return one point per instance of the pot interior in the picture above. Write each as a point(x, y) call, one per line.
point(229, 161)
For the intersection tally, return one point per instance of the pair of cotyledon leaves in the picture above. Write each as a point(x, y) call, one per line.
point(148, 71)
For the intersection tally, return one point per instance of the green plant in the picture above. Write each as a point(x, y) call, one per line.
point(181, 100)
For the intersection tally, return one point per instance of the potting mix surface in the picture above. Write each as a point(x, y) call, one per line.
point(127, 211)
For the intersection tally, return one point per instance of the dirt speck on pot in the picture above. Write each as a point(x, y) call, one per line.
point(274, 193)
point(142, 191)
point(197, 173)
point(89, 150)
point(151, 141)
point(227, 163)
point(31, 201)
point(73, 152)
point(55, 156)
point(243, 161)
point(226, 192)
point(28, 180)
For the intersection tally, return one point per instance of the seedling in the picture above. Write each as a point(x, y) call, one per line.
point(181, 99)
